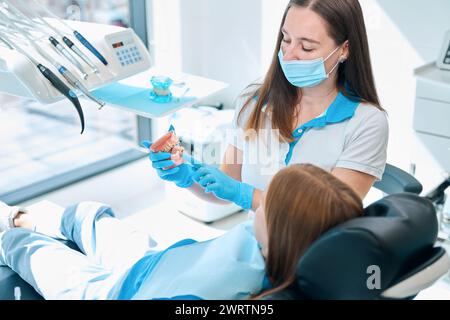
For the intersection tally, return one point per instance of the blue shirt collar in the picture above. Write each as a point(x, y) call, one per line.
point(341, 109)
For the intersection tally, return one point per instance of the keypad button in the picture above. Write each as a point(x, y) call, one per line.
point(447, 61)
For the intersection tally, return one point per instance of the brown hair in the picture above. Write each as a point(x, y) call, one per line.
point(302, 202)
point(355, 77)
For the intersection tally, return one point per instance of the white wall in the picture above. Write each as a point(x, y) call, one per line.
point(222, 40)
point(403, 35)
point(233, 41)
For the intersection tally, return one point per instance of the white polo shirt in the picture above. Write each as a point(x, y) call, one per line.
point(350, 135)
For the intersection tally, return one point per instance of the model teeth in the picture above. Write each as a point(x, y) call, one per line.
point(171, 144)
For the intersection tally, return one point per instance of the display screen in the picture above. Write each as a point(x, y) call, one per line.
point(118, 45)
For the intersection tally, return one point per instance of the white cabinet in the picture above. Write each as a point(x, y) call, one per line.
point(432, 112)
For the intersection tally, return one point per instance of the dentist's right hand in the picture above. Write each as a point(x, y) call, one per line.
point(180, 175)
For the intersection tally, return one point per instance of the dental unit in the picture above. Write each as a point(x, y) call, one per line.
point(77, 34)
point(56, 45)
point(69, 76)
point(69, 44)
point(33, 46)
point(49, 75)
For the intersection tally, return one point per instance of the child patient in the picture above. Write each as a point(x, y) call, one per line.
point(254, 259)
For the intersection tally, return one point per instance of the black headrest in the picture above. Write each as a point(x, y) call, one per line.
point(393, 234)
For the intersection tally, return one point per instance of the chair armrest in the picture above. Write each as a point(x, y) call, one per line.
point(396, 180)
point(420, 278)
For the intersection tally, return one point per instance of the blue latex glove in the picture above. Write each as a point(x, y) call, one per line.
point(181, 175)
point(223, 186)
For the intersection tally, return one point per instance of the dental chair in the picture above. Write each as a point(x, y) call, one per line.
point(389, 253)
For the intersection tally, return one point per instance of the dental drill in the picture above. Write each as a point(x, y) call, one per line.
point(49, 75)
point(69, 76)
point(69, 44)
point(78, 35)
point(56, 45)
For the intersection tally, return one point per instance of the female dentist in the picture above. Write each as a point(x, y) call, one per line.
point(318, 95)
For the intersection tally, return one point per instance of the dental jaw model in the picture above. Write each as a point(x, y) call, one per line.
point(161, 89)
point(170, 143)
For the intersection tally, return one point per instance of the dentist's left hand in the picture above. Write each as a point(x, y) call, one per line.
point(223, 186)
point(180, 175)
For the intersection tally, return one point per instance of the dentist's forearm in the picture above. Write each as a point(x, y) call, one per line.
point(257, 196)
point(197, 190)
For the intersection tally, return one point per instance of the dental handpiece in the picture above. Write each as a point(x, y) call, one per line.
point(52, 40)
point(51, 77)
point(75, 49)
point(77, 84)
point(70, 44)
point(90, 47)
point(78, 35)
point(69, 57)
point(65, 90)
point(67, 41)
point(69, 76)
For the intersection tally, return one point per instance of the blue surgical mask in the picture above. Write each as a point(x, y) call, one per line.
point(306, 73)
